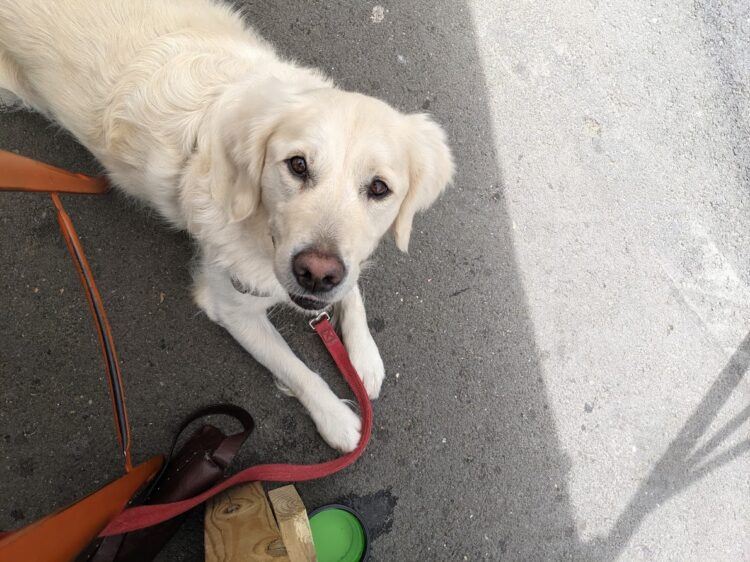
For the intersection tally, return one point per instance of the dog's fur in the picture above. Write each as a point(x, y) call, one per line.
point(192, 112)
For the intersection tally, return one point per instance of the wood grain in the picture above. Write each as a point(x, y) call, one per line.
point(240, 527)
point(294, 525)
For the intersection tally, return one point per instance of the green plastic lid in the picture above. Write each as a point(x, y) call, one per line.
point(338, 535)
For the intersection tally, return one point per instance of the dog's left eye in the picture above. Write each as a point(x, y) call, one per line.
point(377, 189)
point(298, 166)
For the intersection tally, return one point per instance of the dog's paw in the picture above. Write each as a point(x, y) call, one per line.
point(366, 359)
point(339, 426)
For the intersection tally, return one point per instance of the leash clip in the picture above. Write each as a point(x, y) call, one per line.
point(319, 318)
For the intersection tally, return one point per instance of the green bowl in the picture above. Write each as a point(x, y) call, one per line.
point(339, 534)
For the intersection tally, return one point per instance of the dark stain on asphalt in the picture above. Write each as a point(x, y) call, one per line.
point(456, 293)
point(376, 510)
point(376, 324)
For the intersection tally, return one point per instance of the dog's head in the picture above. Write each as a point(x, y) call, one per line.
point(334, 171)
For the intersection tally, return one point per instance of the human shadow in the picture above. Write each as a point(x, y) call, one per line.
point(684, 462)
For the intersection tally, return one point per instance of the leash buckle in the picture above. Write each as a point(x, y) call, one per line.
point(319, 318)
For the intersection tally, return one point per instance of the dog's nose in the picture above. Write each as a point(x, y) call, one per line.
point(317, 271)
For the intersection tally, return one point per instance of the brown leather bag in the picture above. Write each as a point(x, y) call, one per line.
point(199, 464)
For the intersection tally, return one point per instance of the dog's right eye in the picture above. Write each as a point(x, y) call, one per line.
point(297, 166)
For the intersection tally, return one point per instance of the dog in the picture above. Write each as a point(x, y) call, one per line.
point(286, 182)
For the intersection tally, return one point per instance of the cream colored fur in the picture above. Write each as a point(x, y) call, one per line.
point(193, 113)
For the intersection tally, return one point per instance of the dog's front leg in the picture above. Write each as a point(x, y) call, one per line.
point(244, 317)
point(362, 350)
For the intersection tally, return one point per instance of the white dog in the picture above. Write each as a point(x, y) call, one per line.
point(286, 182)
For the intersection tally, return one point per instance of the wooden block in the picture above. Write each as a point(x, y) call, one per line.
point(291, 516)
point(239, 527)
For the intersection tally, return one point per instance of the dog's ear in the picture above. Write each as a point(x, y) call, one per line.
point(430, 171)
point(238, 152)
point(231, 186)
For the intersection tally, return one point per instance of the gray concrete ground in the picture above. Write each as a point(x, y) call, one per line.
point(571, 330)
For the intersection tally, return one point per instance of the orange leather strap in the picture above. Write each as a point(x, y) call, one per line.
point(18, 173)
point(61, 536)
point(43, 178)
point(23, 174)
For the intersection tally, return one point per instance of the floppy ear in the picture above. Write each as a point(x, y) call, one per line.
point(238, 152)
point(430, 171)
point(230, 185)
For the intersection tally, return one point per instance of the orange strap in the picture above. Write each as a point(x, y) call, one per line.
point(18, 173)
point(61, 536)
point(23, 174)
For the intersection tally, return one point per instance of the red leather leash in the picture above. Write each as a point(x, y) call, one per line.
point(23, 174)
point(144, 516)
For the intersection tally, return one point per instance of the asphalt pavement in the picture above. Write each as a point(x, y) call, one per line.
point(566, 343)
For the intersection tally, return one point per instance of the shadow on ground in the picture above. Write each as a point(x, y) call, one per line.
point(684, 462)
point(464, 462)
